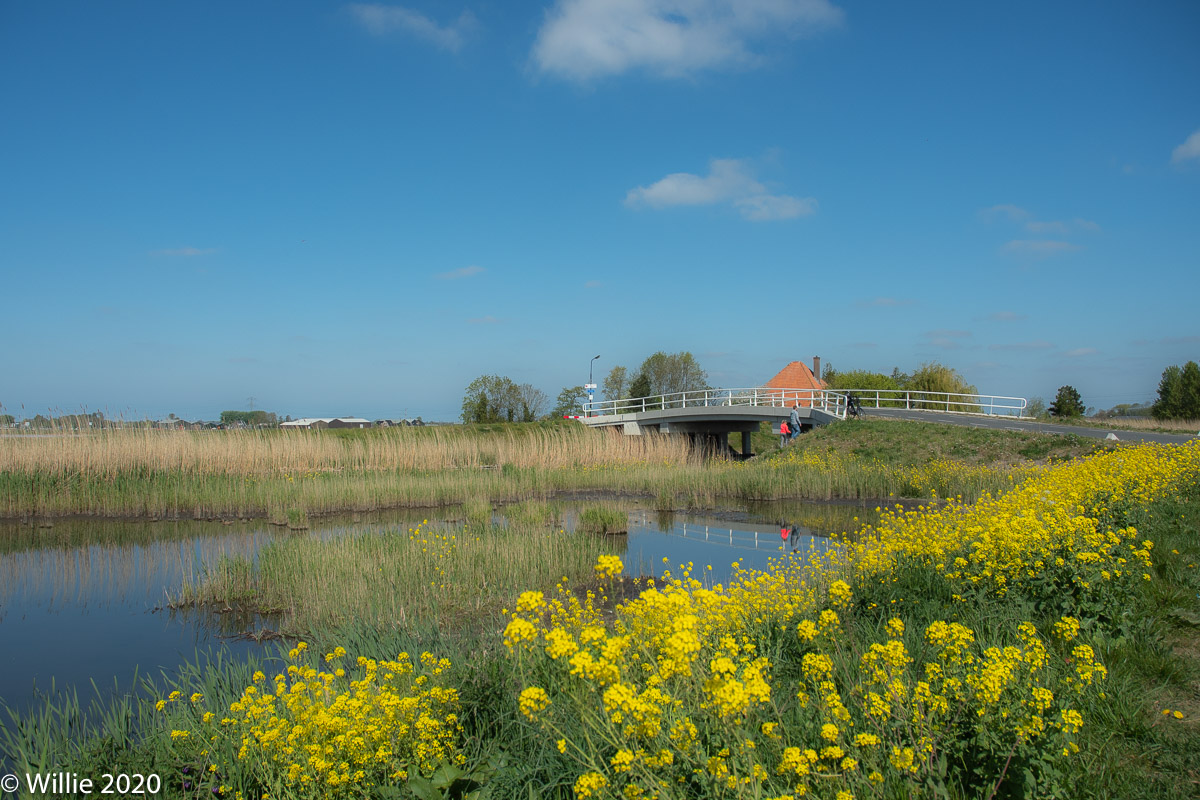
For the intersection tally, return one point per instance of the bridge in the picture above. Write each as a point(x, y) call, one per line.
point(708, 416)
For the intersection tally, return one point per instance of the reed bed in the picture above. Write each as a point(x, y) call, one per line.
point(292, 475)
point(420, 578)
point(113, 453)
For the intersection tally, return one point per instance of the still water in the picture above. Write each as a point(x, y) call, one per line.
point(86, 601)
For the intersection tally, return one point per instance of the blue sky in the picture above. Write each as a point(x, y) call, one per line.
point(359, 208)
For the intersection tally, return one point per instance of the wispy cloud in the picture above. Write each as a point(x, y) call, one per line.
point(1017, 215)
point(582, 40)
point(729, 180)
point(1039, 247)
point(1181, 340)
point(1023, 346)
point(948, 339)
point(1187, 151)
point(184, 252)
point(1004, 212)
point(461, 272)
point(1081, 351)
point(382, 20)
point(1005, 316)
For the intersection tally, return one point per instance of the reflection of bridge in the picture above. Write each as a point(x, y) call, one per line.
point(746, 536)
point(710, 415)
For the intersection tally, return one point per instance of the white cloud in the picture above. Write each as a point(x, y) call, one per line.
point(1188, 150)
point(461, 272)
point(586, 39)
point(382, 20)
point(186, 252)
point(1039, 247)
point(728, 180)
point(1081, 351)
point(764, 207)
point(1006, 211)
point(1021, 216)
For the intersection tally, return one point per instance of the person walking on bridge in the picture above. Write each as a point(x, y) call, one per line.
point(794, 420)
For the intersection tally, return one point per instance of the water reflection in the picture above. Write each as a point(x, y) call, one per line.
point(712, 544)
point(84, 600)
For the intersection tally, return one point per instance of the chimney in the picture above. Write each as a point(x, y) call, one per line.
point(817, 367)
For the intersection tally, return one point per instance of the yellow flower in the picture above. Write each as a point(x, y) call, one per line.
point(533, 700)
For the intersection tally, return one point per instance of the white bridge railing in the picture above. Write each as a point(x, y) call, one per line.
point(829, 401)
point(945, 402)
point(824, 400)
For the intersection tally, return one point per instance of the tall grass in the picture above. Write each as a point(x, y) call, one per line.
point(421, 577)
point(285, 476)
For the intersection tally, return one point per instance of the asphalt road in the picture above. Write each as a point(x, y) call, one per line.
point(1012, 424)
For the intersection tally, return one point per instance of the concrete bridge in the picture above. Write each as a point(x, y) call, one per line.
point(708, 416)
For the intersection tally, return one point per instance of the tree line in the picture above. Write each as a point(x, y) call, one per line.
point(496, 398)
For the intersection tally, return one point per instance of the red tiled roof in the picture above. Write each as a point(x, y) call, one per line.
point(796, 375)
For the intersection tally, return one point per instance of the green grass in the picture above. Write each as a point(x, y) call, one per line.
point(424, 576)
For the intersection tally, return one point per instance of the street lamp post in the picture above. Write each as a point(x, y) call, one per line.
point(591, 386)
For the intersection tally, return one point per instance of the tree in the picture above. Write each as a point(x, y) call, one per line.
point(1178, 393)
point(615, 383)
point(492, 398)
point(1067, 403)
point(935, 377)
point(1036, 408)
point(570, 402)
point(640, 386)
point(533, 402)
point(669, 373)
point(7, 420)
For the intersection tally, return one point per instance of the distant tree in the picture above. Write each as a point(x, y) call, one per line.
point(257, 418)
point(615, 384)
point(1170, 393)
point(1067, 403)
point(533, 402)
point(935, 377)
point(1036, 408)
point(7, 420)
point(639, 386)
point(861, 379)
point(1178, 393)
point(491, 398)
point(668, 373)
point(828, 374)
point(901, 378)
point(570, 402)
point(1190, 404)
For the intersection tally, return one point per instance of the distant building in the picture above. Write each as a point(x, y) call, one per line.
point(797, 383)
point(327, 422)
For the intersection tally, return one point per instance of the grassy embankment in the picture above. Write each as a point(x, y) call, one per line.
point(1024, 646)
point(287, 475)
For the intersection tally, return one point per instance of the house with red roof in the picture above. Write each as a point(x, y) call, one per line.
point(796, 383)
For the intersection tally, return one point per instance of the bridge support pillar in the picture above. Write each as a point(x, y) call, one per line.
point(746, 448)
